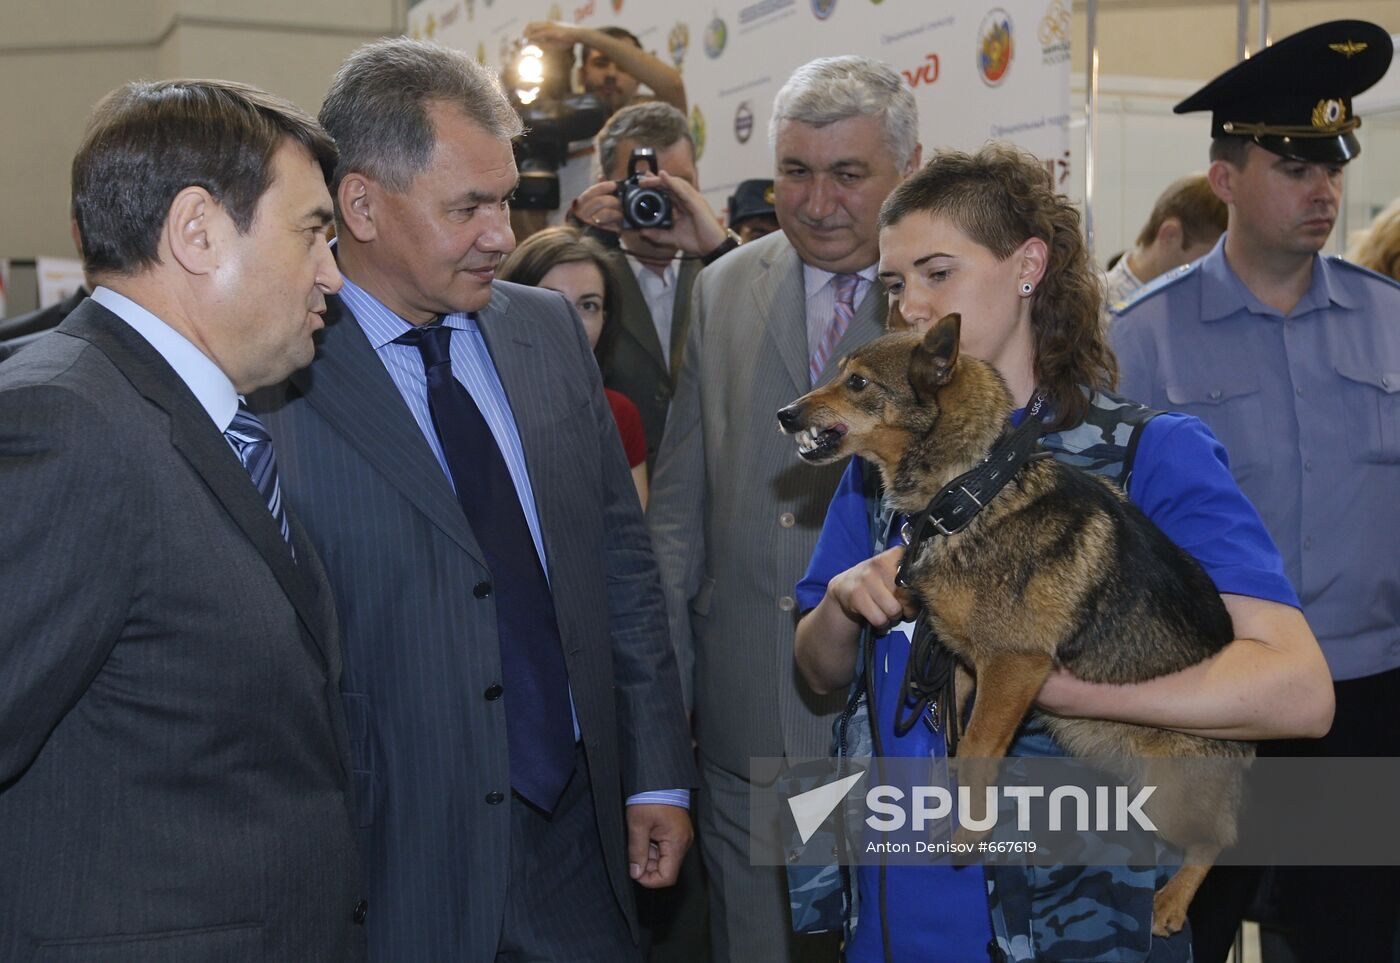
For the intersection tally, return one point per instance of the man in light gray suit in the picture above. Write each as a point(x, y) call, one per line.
point(516, 723)
point(174, 761)
point(734, 514)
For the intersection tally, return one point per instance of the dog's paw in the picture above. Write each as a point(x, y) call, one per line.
point(1168, 912)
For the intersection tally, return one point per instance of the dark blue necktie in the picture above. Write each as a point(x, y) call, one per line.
point(253, 446)
point(539, 728)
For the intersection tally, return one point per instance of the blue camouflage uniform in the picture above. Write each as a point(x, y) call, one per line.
point(1308, 406)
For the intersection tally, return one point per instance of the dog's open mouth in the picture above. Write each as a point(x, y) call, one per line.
point(814, 444)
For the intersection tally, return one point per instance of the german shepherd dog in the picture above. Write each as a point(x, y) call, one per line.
point(1058, 569)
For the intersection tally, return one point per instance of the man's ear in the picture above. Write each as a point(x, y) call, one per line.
point(192, 228)
point(931, 364)
point(355, 200)
point(1170, 236)
point(914, 160)
point(1221, 177)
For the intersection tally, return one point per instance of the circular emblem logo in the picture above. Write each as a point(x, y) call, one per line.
point(823, 8)
point(994, 48)
point(697, 130)
point(716, 35)
point(743, 122)
point(1329, 114)
point(678, 42)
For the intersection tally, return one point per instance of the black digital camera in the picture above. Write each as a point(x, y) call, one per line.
point(643, 206)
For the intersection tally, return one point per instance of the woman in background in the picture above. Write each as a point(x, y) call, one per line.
point(1378, 247)
point(561, 259)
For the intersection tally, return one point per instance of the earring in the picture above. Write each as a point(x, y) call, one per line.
point(1026, 289)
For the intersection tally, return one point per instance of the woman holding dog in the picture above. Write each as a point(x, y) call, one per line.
point(986, 236)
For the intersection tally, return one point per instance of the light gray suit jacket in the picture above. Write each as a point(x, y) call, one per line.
point(422, 650)
point(734, 513)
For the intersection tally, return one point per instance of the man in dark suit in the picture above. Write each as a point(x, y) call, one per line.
point(174, 763)
point(653, 268)
point(515, 710)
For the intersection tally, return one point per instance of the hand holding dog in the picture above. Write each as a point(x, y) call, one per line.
point(867, 593)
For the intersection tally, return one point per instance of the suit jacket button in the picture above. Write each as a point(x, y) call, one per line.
point(481, 589)
point(493, 692)
point(787, 603)
point(787, 519)
point(360, 911)
point(495, 797)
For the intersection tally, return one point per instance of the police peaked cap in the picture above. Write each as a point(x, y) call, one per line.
point(1294, 98)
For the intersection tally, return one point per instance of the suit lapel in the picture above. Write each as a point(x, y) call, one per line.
point(349, 388)
point(205, 449)
point(680, 315)
point(782, 300)
point(635, 317)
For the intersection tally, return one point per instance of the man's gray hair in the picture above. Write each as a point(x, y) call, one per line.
point(650, 124)
point(377, 107)
point(829, 89)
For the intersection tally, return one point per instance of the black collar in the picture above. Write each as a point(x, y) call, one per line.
point(953, 508)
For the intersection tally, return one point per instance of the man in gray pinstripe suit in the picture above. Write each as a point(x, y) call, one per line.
point(451, 454)
point(734, 515)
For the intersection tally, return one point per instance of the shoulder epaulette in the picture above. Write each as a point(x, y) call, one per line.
point(1342, 262)
point(1161, 281)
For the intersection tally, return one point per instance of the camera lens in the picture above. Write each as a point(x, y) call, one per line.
point(647, 207)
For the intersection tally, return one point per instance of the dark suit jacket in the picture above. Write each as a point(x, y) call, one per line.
point(43, 319)
point(421, 648)
point(630, 353)
point(173, 759)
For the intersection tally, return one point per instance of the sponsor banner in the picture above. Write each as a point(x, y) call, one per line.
point(1080, 812)
point(978, 71)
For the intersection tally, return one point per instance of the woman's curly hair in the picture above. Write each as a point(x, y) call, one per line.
point(1001, 197)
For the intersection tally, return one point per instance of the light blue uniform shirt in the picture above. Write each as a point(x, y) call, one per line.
point(1308, 407)
point(474, 370)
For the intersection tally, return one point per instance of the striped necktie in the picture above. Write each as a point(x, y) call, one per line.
point(845, 310)
point(253, 445)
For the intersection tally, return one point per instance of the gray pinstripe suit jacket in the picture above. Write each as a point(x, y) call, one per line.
point(734, 514)
point(174, 769)
point(421, 649)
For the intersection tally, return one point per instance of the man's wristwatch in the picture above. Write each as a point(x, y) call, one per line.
point(730, 242)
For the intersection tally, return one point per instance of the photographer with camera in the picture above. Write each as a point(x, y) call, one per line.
point(612, 64)
point(647, 206)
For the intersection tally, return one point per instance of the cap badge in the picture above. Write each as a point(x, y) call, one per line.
point(1329, 115)
point(1348, 49)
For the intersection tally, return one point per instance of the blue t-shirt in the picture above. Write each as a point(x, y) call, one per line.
point(1181, 481)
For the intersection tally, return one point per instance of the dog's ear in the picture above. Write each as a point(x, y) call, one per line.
point(931, 364)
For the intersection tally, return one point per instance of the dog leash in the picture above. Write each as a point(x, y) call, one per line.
point(929, 689)
point(960, 501)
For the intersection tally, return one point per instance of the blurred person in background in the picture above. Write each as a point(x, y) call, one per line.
point(1378, 246)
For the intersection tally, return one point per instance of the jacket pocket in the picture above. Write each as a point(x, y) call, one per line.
point(1371, 400)
point(700, 604)
point(1233, 410)
point(231, 943)
point(363, 756)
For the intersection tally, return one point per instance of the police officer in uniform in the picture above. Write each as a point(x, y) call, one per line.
point(1293, 360)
